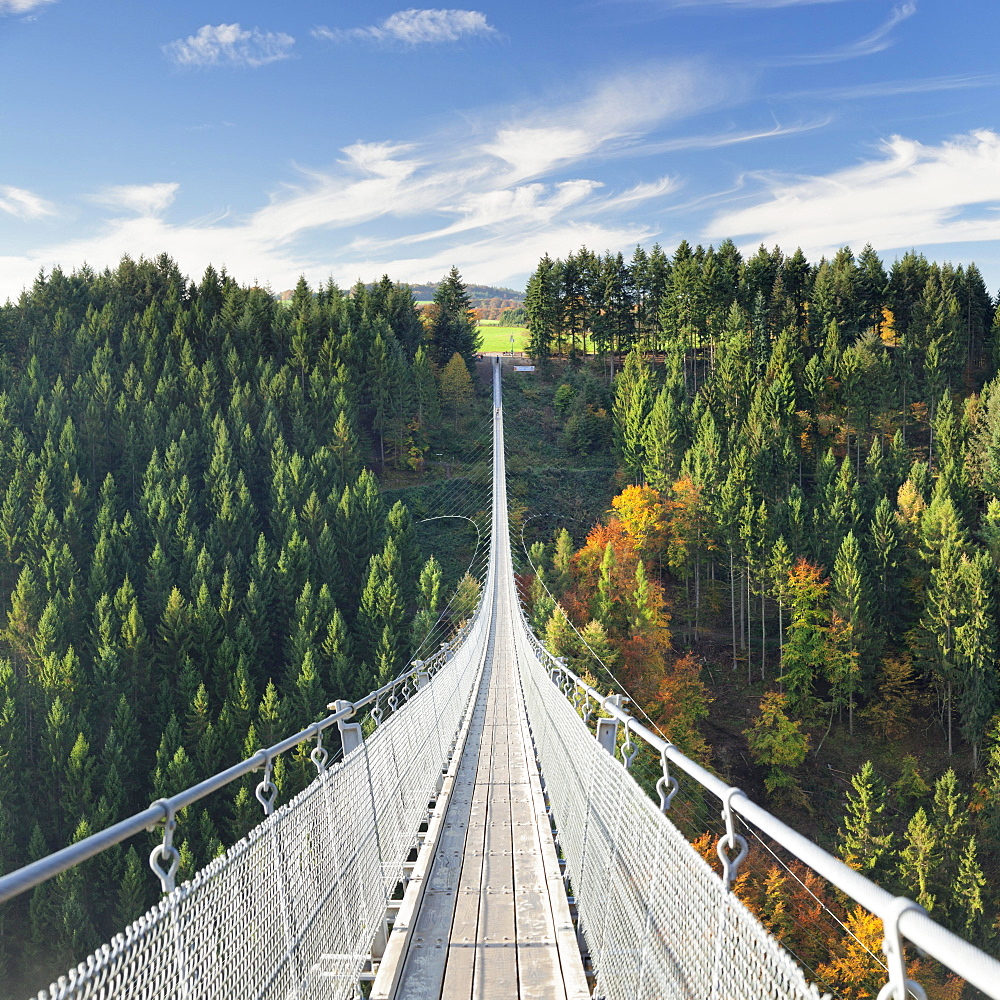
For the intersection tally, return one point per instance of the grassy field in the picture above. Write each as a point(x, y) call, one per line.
point(497, 338)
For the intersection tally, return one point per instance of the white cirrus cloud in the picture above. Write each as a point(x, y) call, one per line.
point(415, 27)
point(23, 204)
point(487, 201)
point(611, 119)
point(913, 195)
point(748, 4)
point(142, 199)
point(21, 6)
point(229, 45)
point(898, 88)
point(874, 42)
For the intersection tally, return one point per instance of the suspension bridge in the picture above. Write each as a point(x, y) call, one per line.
point(481, 835)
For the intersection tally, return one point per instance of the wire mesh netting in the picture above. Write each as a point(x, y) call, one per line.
point(291, 911)
point(657, 920)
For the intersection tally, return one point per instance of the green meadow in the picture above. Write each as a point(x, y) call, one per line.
point(497, 338)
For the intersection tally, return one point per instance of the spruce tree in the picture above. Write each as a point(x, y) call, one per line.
point(541, 304)
point(864, 841)
point(968, 908)
point(979, 696)
point(452, 329)
point(850, 600)
point(919, 859)
point(631, 410)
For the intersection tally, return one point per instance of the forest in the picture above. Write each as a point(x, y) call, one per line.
point(763, 495)
point(798, 578)
point(196, 555)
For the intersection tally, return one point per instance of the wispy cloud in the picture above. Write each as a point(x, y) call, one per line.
point(616, 116)
point(21, 6)
point(229, 45)
point(142, 199)
point(747, 4)
point(415, 27)
point(898, 88)
point(874, 42)
point(23, 204)
point(912, 195)
point(493, 194)
point(729, 138)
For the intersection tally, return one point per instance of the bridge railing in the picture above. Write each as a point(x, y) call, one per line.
point(292, 909)
point(611, 824)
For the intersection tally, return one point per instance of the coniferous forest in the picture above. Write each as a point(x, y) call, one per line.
point(798, 577)
point(197, 556)
point(765, 493)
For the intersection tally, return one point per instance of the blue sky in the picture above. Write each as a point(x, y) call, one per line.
point(355, 139)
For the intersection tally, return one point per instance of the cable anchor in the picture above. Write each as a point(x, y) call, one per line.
point(319, 754)
point(667, 786)
point(166, 851)
point(899, 986)
point(267, 790)
point(730, 841)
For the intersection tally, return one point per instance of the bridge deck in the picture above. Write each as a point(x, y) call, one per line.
point(492, 919)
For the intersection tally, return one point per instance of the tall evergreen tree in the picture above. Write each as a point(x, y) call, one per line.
point(452, 329)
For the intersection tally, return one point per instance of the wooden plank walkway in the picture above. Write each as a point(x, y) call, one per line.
point(486, 915)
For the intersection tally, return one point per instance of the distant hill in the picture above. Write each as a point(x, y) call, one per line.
point(478, 293)
point(489, 298)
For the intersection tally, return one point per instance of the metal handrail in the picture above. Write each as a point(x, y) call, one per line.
point(31, 875)
point(899, 915)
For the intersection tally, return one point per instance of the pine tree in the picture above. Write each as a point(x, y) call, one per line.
point(979, 696)
point(541, 304)
point(664, 438)
point(560, 638)
point(885, 563)
point(850, 601)
point(910, 785)
point(336, 656)
point(804, 652)
point(950, 822)
point(428, 602)
point(562, 560)
point(133, 896)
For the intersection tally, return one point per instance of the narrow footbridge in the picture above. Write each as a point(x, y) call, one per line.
point(481, 836)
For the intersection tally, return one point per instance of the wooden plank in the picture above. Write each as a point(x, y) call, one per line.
point(539, 972)
point(426, 952)
point(494, 923)
point(497, 957)
point(460, 958)
point(574, 977)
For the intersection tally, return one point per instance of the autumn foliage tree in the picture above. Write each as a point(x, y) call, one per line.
point(777, 742)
